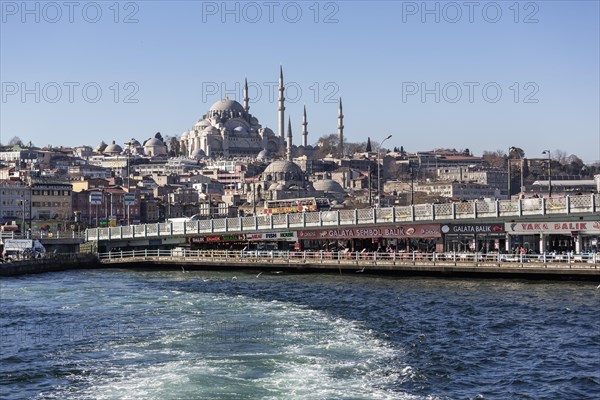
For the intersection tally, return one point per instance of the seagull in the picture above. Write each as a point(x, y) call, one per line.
point(234, 278)
point(361, 270)
point(598, 287)
point(259, 274)
point(182, 269)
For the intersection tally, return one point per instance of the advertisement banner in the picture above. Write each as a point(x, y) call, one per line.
point(391, 231)
point(466, 229)
point(272, 236)
point(556, 227)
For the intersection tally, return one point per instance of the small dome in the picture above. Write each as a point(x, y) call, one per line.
point(227, 105)
point(283, 166)
point(184, 135)
point(154, 142)
point(201, 124)
point(268, 132)
point(113, 148)
point(240, 130)
point(328, 185)
point(134, 143)
point(263, 155)
point(198, 154)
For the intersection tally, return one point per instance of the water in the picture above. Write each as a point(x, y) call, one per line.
point(207, 335)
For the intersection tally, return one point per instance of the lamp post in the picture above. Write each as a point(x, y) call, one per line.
point(549, 172)
point(510, 150)
point(412, 186)
point(379, 171)
point(23, 202)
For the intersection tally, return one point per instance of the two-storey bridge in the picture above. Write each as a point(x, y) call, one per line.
point(172, 234)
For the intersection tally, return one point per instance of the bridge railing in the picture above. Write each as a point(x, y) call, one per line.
point(588, 260)
point(417, 213)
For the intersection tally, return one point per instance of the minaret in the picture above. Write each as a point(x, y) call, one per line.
point(246, 99)
point(289, 140)
point(304, 129)
point(340, 129)
point(281, 108)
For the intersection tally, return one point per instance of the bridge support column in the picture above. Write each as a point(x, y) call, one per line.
point(394, 214)
point(568, 204)
point(453, 211)
point(497, 206)
point(412, 212)
point(432, 212)
point(543, 206)
point(287, 221)
point(520, 207)
point(355, 216)
point(241, 224)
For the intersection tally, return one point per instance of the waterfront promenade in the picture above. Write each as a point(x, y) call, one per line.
point(459, 264)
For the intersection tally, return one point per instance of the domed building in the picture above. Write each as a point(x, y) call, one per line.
point(155, 147)
point(113, 149)
point(331, 189)
point(229, 130)
point(281, 180)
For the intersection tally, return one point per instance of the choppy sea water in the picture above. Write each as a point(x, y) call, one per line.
point(216, 335)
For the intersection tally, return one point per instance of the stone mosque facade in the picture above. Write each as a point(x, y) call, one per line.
point(228, 130)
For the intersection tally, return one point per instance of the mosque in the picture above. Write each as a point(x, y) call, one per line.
point(228, 130)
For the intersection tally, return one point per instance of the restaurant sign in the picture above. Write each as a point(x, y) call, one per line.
point(218, 238)
point(271, 236)
point(462, 229)
point(565, 227)
point(392, 231)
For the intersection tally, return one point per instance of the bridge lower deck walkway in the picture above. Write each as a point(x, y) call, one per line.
point(531, 266)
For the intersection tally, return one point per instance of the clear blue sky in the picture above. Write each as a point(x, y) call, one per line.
point(177, 58)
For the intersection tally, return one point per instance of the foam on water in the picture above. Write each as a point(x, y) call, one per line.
point(299, 352)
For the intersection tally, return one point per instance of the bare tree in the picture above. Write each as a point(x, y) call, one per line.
point(560, 156)
point(15, 141)
point(494, 159)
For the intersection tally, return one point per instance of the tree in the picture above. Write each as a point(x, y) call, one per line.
point(327, 144)
point(494, 159)
point(516, 152)
point(15, 141)
point(368, 148)
point(352, 148)
point(159, 137)
point(174, 146)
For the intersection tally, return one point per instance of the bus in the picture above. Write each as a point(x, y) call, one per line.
point(305, 204)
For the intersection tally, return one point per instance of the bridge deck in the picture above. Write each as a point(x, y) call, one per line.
point(449, 264)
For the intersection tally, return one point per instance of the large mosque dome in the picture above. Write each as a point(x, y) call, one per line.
point(227, 105)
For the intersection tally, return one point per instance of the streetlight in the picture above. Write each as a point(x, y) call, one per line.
point(510, 150)
point(23, 202)
point(379, 171)
point(549, 172)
